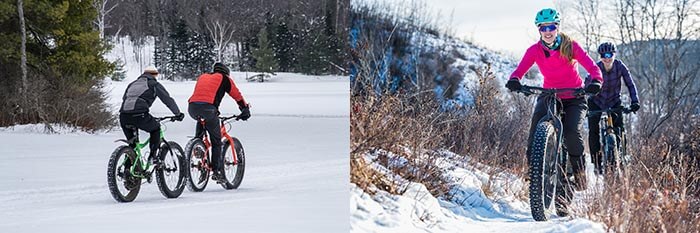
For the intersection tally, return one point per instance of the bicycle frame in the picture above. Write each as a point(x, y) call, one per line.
point(224, 133)
point(607, 127)
point(138, 146)
point(552, 112)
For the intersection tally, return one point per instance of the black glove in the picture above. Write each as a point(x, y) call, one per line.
point(245, 110)
point(634, 107)
point(179, 117)
point(514, 84)
point(594, 87)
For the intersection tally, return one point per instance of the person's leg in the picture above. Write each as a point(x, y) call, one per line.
point(574, 111)
point(196, 112)
point(594, 136)
point(209, 113)
point(149, 124)
point(124, 120)
point(214, 130)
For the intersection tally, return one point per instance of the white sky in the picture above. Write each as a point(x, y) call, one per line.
point(501, 25)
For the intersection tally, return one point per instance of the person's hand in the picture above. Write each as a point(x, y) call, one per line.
point(634, 107)
point(514, 84)
point(180, 117)
point(245, 114)
point(594, 87)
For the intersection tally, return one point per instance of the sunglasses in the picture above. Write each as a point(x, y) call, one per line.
point(548, 28)
point(606, 55)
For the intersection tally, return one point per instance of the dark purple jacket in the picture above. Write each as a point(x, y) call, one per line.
point(609, 96)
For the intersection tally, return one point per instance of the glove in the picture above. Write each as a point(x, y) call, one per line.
point(594, 87)
point(179, 117)
point(634, 107)
point(245, 110)
point(514, 84)
point(245, 114)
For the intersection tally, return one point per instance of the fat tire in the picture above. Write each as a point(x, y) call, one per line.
point(189, 156)
point(112, 175)
point(235, 181)
point(541, 146)
point(165, 150)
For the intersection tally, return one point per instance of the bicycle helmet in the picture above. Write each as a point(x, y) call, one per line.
point(606, 47)
point(221, 68)
point(547, 15)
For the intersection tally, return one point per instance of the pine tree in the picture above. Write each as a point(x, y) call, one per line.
point(264, 55)
point(65, 65)
point(283, 44)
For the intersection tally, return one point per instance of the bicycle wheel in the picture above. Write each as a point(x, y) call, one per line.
point(122, 185)
point(610, 154)
point(543, 169)
point(170, 174)
point(197, 172)
point(234, 172)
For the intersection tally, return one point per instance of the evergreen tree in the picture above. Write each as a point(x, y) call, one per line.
point(264, 55)
point(314, 52)
point(65, 65)
point(186, 54)
point(283, 43)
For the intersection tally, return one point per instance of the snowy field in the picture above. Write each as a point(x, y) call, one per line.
point(296, 178)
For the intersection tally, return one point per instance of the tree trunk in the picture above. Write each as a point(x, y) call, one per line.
point(23, 48)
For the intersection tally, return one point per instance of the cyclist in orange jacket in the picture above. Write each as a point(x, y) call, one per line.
point(204, 103)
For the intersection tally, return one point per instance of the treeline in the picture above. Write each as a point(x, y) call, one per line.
point(51, 64)
point(306, 36)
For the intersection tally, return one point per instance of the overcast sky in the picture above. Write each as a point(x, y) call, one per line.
point(501, 25)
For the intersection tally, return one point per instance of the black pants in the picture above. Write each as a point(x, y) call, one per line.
point(142, 121)
point(210, 114)
point(572, 111)
point(594, 131)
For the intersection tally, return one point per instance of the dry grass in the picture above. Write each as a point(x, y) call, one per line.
point(390, 124)
point(660, 192)
point(412, 127)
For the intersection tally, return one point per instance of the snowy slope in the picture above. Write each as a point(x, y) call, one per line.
point(296, 176)
point(467, 207)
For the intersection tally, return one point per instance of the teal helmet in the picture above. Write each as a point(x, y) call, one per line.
point(547, 15)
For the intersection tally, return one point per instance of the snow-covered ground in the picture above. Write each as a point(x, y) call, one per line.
point(466, 208)
point(296, 176)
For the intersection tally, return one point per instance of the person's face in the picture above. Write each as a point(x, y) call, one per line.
point(548, 32)
point(607, 58)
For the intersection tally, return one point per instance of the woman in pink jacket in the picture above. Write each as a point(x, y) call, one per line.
point(557, 56)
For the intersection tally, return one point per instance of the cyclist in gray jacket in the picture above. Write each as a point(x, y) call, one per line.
point(138, 98)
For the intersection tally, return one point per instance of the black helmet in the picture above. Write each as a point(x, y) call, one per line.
point(221, 68)
point(606, 47)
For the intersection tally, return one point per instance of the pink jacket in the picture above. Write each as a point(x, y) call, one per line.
point(557, 71)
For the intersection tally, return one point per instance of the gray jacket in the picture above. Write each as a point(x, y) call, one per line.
point(140, 94)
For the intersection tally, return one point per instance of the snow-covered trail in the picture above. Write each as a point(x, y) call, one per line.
point(296, 176)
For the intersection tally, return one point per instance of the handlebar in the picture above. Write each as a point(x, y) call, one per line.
point(625, 110)
point(171, 118)
point(529, 90)
point(224, 119)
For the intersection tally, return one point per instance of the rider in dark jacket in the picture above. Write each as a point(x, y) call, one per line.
point(614, 73)
point(137, 100)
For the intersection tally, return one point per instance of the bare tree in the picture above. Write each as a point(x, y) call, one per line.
point(23, 47)
point(589, 24)
point(102, 12)
point(660, 39)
